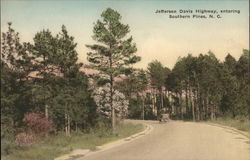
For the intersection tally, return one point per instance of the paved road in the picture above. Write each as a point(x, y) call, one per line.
point(178, 140)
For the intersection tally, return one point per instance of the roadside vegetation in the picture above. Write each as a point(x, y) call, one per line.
point(238, 123)
point(58, 144)
point(47, 101)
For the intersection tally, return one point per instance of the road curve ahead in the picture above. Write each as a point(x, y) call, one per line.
point(178, 140)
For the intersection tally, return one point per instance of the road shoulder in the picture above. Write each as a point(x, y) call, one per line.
point(79, 153)
point(246, 134)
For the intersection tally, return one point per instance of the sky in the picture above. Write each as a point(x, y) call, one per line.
point(157, 36)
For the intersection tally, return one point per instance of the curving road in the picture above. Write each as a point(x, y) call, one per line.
point(177, 140)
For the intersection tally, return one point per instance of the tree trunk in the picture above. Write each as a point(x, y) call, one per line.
point(194, 103)
point(153, 103)
point(197, 103)
point(186, 100)
point(111, 78)
point(111, 104)
point(68, 125)
point(212, 110)
point(212, 114)
point(207, 107)
point(191, 99)
point(203, 108)
point(143, 108)
point(111, 91)
point(162, 105)
point(46, 111)
point(181, 107)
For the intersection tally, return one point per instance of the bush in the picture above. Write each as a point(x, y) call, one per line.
point(37, 124)
point(25, 139)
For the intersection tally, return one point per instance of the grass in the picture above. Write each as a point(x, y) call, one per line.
point(243, 125)
point(56, 145)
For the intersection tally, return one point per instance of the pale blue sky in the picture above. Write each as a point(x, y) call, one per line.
point(156, 36)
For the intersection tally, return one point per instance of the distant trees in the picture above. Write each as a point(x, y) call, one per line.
point(210, 88)
point(243, 77)
point(200, 83)
point(113, 55)
point(134, 87)
point(157, 75)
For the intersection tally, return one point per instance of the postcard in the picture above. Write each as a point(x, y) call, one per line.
point(125, 80)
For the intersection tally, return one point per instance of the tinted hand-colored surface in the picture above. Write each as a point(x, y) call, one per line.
point(156, 35)
point(181, 141)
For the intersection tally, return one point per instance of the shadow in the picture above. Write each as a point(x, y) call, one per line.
point(229, 131)
point(239, 138)
point(74, 157)
point(155, 122)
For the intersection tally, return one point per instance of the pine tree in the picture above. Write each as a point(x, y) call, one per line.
point(113, 55)
point(243, 77)
point(16, 65)
point(44, 53)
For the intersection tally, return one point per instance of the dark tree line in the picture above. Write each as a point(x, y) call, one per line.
point(197, 88)
point(43, 76)
point(206, 88)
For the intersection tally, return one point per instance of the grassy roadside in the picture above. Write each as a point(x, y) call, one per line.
point(54, 146)
point(243, 125)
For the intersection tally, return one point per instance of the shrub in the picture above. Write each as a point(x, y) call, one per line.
point(37, 124)
point(24, 139)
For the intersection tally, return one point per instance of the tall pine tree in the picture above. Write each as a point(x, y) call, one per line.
point(113, 55)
